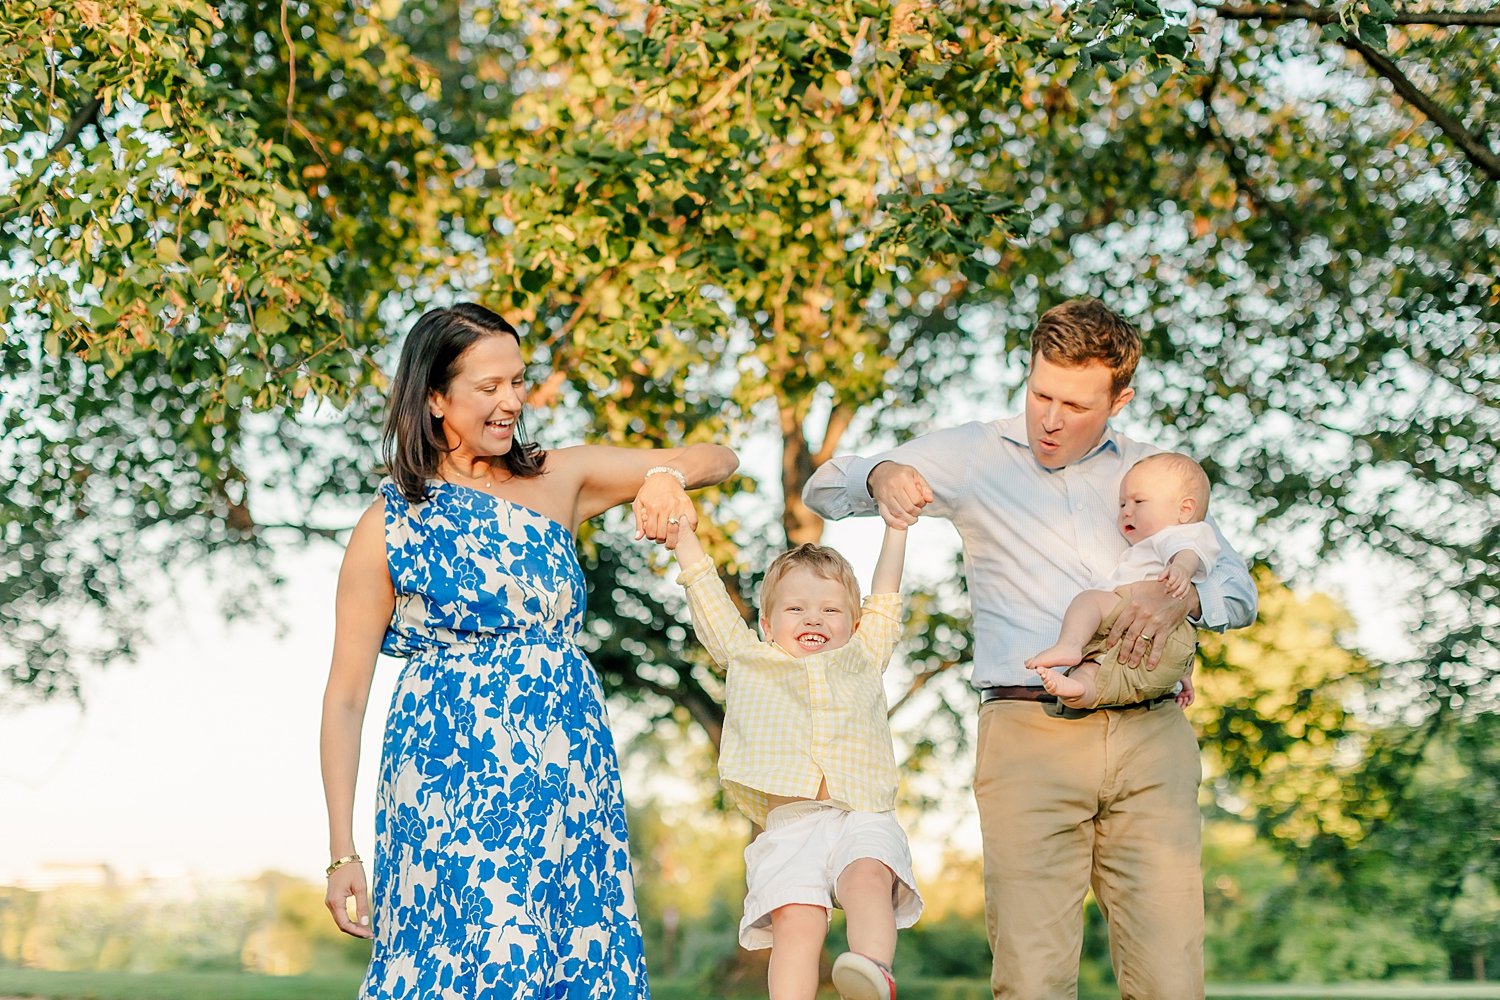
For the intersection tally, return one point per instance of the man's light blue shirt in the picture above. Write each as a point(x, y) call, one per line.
point(1033, 537)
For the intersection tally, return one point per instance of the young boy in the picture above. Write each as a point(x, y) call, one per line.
point(806, 755)
point(1163, 501)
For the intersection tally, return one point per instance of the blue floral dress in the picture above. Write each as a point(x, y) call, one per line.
point(502, 866)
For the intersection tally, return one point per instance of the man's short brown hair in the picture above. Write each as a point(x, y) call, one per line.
point(822, 560)
point(1082, 331)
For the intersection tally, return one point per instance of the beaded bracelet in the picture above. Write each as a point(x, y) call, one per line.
point(352, 859)
point(674, 473)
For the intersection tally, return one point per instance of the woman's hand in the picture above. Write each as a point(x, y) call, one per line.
point(662, 508)
point(345, 881)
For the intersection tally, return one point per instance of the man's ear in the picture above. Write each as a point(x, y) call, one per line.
point(1126, 395)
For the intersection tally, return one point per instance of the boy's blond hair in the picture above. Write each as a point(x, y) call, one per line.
point(1191, 478)
point(822, 560)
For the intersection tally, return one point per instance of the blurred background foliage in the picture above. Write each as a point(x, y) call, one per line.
point(804, 228)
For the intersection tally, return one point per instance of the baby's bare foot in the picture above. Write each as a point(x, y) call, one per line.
point(1060, 684)
point(1060, 655)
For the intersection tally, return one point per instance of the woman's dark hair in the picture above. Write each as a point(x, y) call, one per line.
point(412, 440)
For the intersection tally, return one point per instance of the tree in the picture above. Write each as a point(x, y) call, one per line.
point(1312, 258)
point(218, 211)
point(802, 216)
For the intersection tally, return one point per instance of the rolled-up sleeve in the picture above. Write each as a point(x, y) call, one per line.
point(880, 627)
point(1227, 598)
point(839, 488)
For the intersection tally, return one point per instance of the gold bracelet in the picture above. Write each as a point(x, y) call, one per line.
point(353, 859)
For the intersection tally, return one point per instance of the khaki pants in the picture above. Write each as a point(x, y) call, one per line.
point(1109, 800)
point(1120, 684)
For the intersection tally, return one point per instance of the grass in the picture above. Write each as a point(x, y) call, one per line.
point(1357, 991)
point(237, 986)
point(173, 986)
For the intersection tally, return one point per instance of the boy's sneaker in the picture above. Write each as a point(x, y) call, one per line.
point(857, 977)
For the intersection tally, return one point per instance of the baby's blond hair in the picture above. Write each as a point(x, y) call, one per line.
point(822, 560)
point(1191, 478)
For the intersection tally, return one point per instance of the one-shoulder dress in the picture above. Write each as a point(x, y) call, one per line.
point(502, 864)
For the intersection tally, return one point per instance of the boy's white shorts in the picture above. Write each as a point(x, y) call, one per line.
point(805, 848)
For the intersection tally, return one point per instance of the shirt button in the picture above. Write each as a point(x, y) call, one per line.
point(1078, 507)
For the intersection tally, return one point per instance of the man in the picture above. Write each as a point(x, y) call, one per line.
point(1105, 798)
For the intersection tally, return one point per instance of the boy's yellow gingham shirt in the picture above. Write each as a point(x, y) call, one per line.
point(792, 722)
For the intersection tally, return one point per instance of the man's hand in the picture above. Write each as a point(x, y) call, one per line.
point(1149, 614)
point(900, 492)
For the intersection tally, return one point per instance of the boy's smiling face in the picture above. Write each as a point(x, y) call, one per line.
point(808, 613)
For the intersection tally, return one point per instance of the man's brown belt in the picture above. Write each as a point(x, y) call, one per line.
point(1035, 692)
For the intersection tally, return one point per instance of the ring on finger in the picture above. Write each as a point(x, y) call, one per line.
point(1145, 636)
point(672, 520)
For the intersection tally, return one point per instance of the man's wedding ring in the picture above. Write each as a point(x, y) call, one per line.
point(672, 520)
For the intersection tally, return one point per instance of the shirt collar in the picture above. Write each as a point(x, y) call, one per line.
point(1013, 429)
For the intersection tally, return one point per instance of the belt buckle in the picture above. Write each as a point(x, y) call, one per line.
point(1061, 711)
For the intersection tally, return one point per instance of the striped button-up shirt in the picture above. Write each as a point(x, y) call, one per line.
point(793, 722)
point(1033, 537)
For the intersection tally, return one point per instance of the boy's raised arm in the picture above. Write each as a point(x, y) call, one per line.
point(891, 562)
point(880, 625)
point(715, 618)
point(689, 550)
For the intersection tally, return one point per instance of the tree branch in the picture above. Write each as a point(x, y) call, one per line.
point(700, 707)
point(799, 521)
point(308, 531)
point(1474, 147)
point(919, 682)
point(1234, 159)
point(839, 419)
point(84, 117)
point(1328, 15)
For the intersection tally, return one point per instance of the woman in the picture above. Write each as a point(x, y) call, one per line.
point(501, 864)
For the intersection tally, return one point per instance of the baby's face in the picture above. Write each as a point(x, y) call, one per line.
point(808, 613)
point(1148, 503)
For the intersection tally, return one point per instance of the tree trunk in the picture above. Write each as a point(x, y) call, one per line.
point(798, 519)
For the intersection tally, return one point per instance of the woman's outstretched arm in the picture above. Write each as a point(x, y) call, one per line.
point(612, 476)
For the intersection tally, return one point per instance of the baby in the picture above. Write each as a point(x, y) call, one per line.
point(1163, 501)
point(807, 755)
